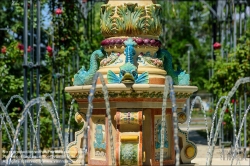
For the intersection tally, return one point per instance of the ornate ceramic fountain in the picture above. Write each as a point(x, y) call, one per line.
point(134, 68)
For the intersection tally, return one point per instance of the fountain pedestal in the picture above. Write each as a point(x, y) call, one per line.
point(136, 123)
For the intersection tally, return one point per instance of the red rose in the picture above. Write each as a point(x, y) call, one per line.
point(217, 45)
point(4, 50)
point(29, 49)
point(20, 46)
point(58, 11)
point(49, 49)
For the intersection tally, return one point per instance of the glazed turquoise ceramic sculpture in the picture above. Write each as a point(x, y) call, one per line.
point(83, 77)
point(99, 144)
point(129, 50)
point(183, 78)
point(128, 74)
point(167, 65)
point(128, 71)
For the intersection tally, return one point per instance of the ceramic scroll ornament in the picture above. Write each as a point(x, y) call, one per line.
point(83, 77)
point(128, 71)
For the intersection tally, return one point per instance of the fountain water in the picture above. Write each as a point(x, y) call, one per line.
point(9, 122)
point(209, 136)
point(70, 115)
point(26, 112)
point(204, 113)
point(89, 113)
point(175, 121)
point(227, 104)
point(230, 94)
point(238, 136)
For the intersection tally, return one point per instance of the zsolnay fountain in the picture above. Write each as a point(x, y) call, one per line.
point(126, 115)
point(127, 118)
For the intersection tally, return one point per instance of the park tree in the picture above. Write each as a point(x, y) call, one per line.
point(227, 71)
point(68, 37)
point(11, 49)
point(67, 33)
point(185, 28)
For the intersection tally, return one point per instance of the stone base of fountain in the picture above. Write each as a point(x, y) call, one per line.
point(136, 125)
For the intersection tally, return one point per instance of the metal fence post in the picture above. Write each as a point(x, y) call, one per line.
point(31, 70)
point(234, 127)
point(245, 125)
point(25, 74)
point(240, 122)
point(38, 52)
point(1, 141)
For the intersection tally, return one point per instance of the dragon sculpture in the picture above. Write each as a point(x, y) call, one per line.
point(128, 71)
point(83, 77)
point(179, 77)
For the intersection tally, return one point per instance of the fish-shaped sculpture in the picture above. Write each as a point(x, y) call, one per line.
point(128, 74)
point(128, 71)
point(83, 77)
point(168, 67)
point(129, 50)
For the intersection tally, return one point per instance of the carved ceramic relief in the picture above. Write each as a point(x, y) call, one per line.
point(111, 60)
point(99, 142)
point(157, 138)
point(129, 154)
point(130, 19)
